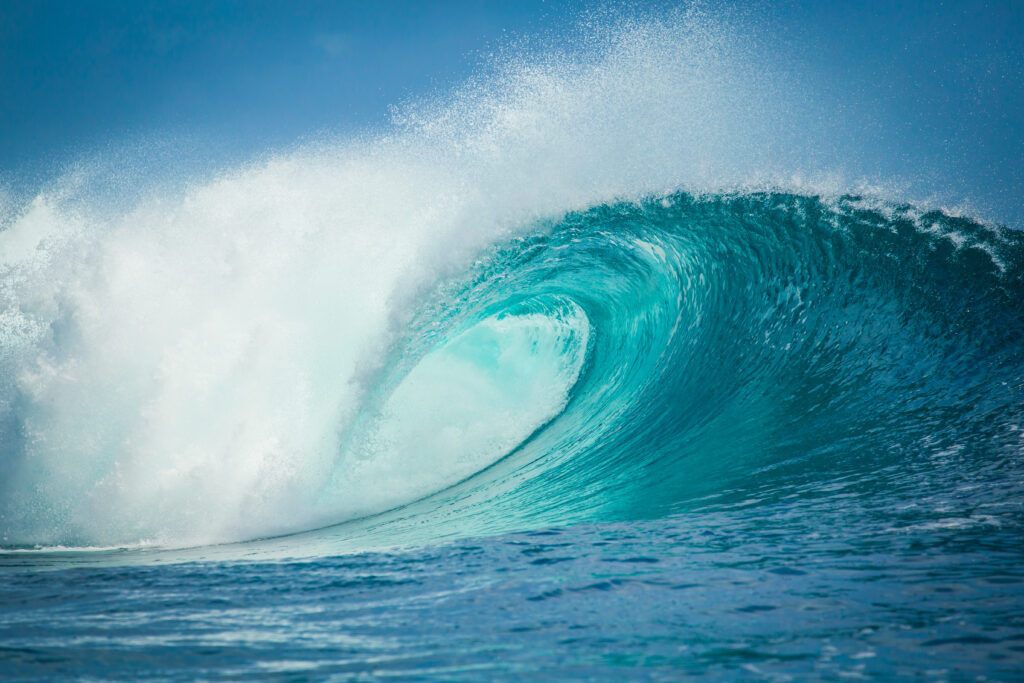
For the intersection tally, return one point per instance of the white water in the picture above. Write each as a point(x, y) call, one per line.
point(186, 370)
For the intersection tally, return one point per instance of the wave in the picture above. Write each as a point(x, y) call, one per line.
point(742, 349)
point(575, 291)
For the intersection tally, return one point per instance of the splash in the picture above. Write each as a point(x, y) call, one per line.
point(347, 328)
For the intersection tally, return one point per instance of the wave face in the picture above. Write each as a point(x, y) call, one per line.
point(740, 349)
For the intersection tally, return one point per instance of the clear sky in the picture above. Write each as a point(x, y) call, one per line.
point(933, 90)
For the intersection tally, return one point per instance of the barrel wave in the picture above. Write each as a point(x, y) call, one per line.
point(641, 359)
point(739, 349)
point(578, 288)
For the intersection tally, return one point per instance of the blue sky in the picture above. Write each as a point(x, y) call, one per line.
point(926, 89)
point(247, 74)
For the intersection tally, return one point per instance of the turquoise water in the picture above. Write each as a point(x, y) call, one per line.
point(749, 435)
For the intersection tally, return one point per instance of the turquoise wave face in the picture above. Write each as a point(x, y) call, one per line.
point(717, 352)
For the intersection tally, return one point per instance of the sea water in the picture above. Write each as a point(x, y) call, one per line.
point(559, 378)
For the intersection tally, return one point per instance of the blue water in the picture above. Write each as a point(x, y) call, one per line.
point(770, 590)
point(562, 377)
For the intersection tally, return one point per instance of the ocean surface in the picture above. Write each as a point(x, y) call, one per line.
point(552, 382)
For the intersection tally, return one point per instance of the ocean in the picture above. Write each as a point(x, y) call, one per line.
point(551, 381)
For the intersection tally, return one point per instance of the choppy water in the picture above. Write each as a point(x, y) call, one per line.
point(461, 404)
